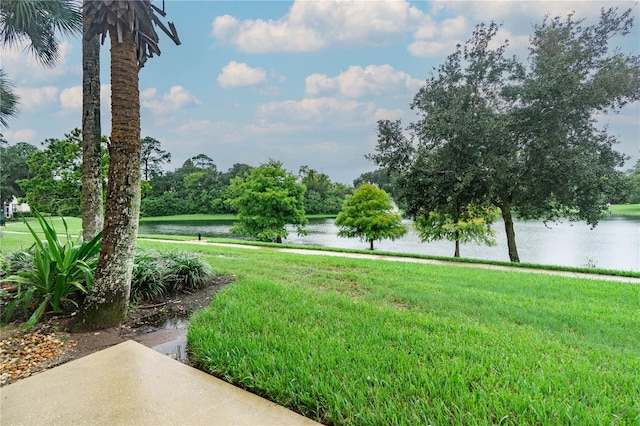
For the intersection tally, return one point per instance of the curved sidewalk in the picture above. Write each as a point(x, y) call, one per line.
point(400, 258)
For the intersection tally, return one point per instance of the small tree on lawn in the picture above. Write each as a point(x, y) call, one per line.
point(473, 225)
point(266, 200)
point(369, 215)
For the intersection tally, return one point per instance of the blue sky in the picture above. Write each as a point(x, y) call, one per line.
point(302, 82)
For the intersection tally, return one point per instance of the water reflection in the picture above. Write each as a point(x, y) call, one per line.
point(613, 244)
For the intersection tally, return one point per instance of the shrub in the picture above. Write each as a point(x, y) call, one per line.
point(20, 260)
point(61, 269)
point(147, 278)
point(158, 273)
point(185, 271)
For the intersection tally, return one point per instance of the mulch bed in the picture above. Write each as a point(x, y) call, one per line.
point(48, 343)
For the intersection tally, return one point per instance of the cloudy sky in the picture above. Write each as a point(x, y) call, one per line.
point(302, 82)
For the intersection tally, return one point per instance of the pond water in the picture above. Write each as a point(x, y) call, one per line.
point(613, 244)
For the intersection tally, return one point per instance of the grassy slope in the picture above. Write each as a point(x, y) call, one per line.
point(625, 210)
point(351, 341)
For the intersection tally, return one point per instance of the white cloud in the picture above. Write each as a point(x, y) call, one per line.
point(236, 74)
point(71, 98)
point(439, 38)
point(178, 98)
point(319, 109)
point(314, 25)
point(193, 126)
point(388, 114)
point(23, 135)
point(357, 82)
point(20, 65)
point(33, 97)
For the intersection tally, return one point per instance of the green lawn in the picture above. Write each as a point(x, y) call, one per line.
point(625, 210)
point(352, 341)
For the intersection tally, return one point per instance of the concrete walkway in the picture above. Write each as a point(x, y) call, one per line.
point(130, 384)
point(400, 258)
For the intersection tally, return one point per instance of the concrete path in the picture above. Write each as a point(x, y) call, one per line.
point(400, 258)
point(130, 384)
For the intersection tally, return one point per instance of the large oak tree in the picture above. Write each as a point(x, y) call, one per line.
point(492, 131)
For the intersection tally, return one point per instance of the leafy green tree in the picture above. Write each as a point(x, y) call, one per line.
point(369, 214)
point(473, 226)
point(267, 200)
point(492, 131)
point(55, 182)
point(152, 157)
point(384, 178)
point(322, 195)
point(38, 22)
point(634, 183)
point(13, 168)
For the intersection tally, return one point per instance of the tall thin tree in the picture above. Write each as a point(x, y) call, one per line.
point(92, 209)
point(130, 26)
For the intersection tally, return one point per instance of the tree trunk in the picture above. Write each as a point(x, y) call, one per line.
point(370, 244)
point(279, 239)
point(511, 234)
point(107, 302)
point(92, 211)
point(457, 252)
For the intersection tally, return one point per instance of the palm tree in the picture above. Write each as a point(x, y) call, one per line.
point(129, 24)
point(36, 22)
point(92, 209)
point(8, 99)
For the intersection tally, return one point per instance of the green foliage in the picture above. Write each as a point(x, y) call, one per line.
point(322, 195)
point(147, 278)
point(152, 157)
point(267, 200)
point(473, 226)
point(62, 268)
point(185, 271)
point(357, 341)
point(492, 131)
point(159, 273)
point(13, 168)
point(8, 99)
point(368, 214)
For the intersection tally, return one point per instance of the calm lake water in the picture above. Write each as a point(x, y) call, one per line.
point(613, 244)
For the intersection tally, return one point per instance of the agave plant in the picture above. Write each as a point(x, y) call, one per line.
point(61, 269)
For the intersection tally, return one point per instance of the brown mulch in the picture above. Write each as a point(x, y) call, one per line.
point(49, 343)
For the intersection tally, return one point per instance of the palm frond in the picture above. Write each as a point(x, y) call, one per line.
point(137, 16)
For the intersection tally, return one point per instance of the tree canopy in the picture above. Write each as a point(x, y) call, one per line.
point(492, 131)
point(13, 168)
point(266, 200)
point(369, 214)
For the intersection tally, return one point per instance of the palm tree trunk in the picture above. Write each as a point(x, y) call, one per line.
point(511, 233)
point(107, 303)
point(92, 209)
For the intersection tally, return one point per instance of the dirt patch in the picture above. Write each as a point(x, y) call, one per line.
point(48, 344)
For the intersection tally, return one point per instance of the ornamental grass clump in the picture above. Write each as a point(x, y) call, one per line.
point(185, 271)
point(156, 274)
point(147, 279)
point(62, 269)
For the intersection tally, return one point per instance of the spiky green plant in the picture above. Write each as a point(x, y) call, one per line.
point(62, 269)
point(147, 279)
point(185, 271)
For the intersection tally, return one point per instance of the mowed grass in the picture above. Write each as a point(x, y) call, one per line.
point(625, 210)
point(353, 341)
